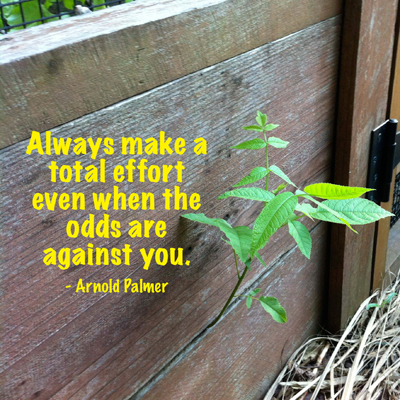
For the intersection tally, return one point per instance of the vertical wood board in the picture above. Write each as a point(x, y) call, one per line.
point(383, 227)
point(366, 58)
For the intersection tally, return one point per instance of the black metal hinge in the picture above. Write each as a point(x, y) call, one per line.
point(384, 157)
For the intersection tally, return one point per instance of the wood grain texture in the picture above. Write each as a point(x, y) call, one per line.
point(393, 252)
point(240, 358)
point(89, 62)
point(383, 226)
point(395, 92)
point(62, 344)
point(366, 58)
point(382, 245)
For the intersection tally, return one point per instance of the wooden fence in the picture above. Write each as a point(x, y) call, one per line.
point(189, 68)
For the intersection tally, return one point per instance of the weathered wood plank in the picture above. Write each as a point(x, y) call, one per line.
point(58, 342)
point(366, 58)
point(383, 226)
point(382, 247)
point(393, 253)
point(90, 62)
point(241, 357)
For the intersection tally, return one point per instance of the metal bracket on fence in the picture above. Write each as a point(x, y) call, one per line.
point(384, 157)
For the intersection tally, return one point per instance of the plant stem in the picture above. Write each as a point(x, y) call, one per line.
point(266, 159)
point(240, 280)
point(298, 217)
point(236, 262)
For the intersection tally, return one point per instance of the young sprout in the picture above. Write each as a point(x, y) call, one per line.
point(282, 208)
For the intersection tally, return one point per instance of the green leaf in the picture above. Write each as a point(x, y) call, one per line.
point(276, 142)
point(244, 234)
point(261, 260)
point(242, 241)
point(251, 193)
point(290, 218)
point(249, 301)
point(330, 210)
point(279, 188)
point(248, 263)
point(97, 2)
point(302, 237)
point(254, 292)
point(233, 234)
point(255, 175)
point(306, 209)
point(48, 3)
point(270, 127)
point(373, 305)
point(271, 305)
point(354, 211)
point(13, 16)
point(330, 191)
point(277, 171)
point(386, 301)
point(390, 297)
point(271, 218)
point(253, 144)
point(69, 4)
point(203, 219)
point(326, 208)
point(261, 118)
point(253, 128)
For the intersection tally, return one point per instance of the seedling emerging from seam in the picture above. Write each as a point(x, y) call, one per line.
point(342, 205)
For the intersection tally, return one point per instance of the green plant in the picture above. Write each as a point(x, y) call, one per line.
point(48, 8)
point(341, 205)
point(384, 302)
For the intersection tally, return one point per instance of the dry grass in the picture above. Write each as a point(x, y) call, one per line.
point(361, 364)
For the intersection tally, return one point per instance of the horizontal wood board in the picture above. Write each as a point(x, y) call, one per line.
point(61, 344)
point(55, 73)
